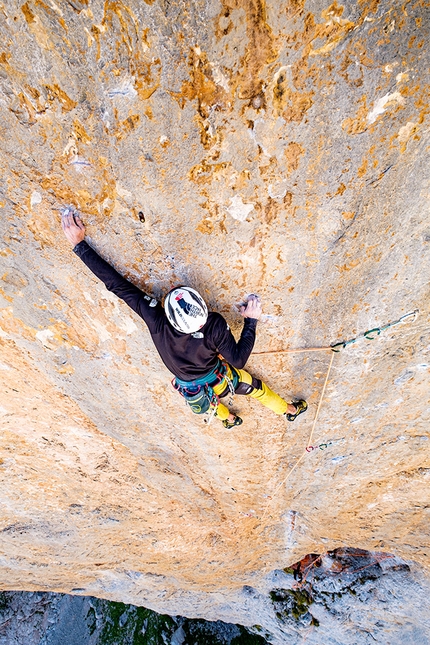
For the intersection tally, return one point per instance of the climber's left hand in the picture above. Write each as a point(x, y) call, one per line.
point(73, 227)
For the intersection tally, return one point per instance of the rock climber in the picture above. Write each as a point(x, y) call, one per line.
point(197, 346)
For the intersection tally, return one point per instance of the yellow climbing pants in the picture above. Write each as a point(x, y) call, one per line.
point(265, 395)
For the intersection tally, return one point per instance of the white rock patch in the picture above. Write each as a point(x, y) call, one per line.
point(238, 209)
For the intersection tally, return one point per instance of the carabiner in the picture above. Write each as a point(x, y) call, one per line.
point(371, 331)
point(412, 313)
point(341, 345)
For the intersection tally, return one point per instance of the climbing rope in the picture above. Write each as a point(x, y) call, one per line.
point(231, 390)
point(293, 351)
point(370, 334)
point(320, 401)
point(305, 451)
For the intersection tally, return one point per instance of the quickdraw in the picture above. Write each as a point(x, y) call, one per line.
point(213, 408)
point(371, 334)
point(230, 389)
point(322, 446)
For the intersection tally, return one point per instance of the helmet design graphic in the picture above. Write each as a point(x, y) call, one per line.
point(185, 309)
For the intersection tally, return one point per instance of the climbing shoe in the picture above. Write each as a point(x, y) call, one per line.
point(301, 406)
point(230, 424)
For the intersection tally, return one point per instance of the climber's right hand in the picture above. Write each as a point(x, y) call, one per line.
point(73, 227)
point(252, 309)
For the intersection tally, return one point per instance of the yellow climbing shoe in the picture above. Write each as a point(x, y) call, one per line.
point(237, 421)
point(301, 406)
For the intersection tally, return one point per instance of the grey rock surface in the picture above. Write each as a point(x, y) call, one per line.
point(345, 597)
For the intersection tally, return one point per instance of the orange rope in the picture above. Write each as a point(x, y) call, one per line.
point(293, 351)
point(304, 453)
point(320, 401)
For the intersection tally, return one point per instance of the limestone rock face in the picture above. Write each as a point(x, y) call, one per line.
point(239, 146)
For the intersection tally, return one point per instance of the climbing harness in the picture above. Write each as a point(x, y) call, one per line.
point(200, 395)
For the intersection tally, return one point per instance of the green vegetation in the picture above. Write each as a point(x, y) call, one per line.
point(202, 632)
point(293, 603)
point(129, 625)
point(121, 624)
point(4, 600)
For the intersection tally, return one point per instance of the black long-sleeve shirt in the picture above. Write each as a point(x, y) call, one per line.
point(185, 355)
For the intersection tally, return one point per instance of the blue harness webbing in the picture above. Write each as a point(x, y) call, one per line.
point(212, 378)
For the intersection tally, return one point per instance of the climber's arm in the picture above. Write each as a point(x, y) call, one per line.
point(237, 353)
point(145, 306)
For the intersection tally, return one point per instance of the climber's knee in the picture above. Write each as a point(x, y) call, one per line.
point(246, 388)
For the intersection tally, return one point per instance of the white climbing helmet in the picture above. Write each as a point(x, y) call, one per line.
point(185, 309)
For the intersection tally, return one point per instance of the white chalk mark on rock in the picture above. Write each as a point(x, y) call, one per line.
point(402, 77)
point(382, 104)
point(71, 148)
point(101, 330)
point(125, 89)
point(406, 131)
point(88, 297)
point(278, 191)
point(90, 38)
point(3, 334)
point(36, 198)
point(44, 336)
point(238, 209)
point(56, 8)
point(257, 138)
point(219, 78)
point(128, 325)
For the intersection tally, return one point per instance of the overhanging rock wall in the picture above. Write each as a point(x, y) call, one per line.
point(239, 146)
